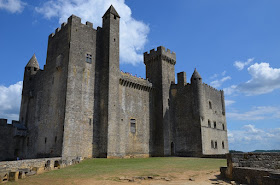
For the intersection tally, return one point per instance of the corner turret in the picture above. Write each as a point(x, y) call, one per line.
point(32, 66)
point(195, 76)
point(198, 99)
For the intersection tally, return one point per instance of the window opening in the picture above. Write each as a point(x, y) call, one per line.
point(210, 105)
point(216, 145)
point(132, 125)
point(215, 124)
point(45, 140)
point(89, 121)
point(223, 145)
point(209, 123)
point(223, 126)
point(212, 144)
point(89, 58)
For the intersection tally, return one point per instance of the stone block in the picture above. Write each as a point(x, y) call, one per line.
point(13, 176)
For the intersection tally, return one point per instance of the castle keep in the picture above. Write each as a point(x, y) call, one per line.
point(81, 105)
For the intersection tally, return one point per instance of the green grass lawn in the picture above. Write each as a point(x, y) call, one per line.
point(98, 168)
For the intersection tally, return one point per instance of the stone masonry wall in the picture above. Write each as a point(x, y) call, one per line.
point(78, 125)
point(186, 130)
point(134, 94)
point(214, 126)
point(7, 149)
point(255, 160)
point(253, 168)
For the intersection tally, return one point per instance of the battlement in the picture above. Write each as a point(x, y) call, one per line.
point(135, 82)
point(73, 19)
point(162, 54)
point(210, 87)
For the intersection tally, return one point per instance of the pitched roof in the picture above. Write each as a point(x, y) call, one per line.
point(111, 10)
point(196, 74)
point(33, 62)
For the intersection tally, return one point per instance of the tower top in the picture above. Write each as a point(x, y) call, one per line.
point(196, 75)
point(111, 10)
point(33, 62)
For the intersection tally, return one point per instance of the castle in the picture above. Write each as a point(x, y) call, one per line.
point(82, 105)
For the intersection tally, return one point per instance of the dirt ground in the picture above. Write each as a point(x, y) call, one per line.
point(185, 178)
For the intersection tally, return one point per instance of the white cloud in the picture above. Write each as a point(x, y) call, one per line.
point(10, 98)
point(229, 102)
point(13, 6)
point(133, 33)
point(219, 82)
point(257, 113)
point(250, 138)
point(240, 65)
point(264, 79)
point(230, 90)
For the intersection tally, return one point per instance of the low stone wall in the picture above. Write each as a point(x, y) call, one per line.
point(255, 160)
point(253, 168)
point(14, 170)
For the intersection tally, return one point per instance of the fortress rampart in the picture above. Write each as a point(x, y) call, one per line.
point(160, 53)
point(135, 82)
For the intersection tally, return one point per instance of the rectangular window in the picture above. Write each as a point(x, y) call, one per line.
point(132, 125)
point(89, 58)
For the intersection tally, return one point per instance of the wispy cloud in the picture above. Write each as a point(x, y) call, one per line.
point(229, 102)
point(257, 113)
point(250, 138)
point(133, 33)
point(219, 79)
point(10, 98)
point(13, 6)
point(240, 65)
point(219, 82)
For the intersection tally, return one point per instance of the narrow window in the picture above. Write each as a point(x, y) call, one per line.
point(132, 125)
point(223, 145)
point(115, 17)
point(216, 145)
point(210, 105)
point(88, 58)
point(89, 121)
point(209, 123)
point(45, 140)
point(223, 126)
point(215, 124)
point(212, 144)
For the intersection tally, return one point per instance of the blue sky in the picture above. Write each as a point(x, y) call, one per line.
point(234, 44)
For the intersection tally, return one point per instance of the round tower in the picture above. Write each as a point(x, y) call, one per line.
point(30, 70)
point(198, 97)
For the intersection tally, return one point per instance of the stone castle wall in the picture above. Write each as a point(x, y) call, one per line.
point(78, 123)
point(135, 116)
point(214, 127)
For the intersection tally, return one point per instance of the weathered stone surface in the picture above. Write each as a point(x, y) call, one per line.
point(80, 105)
point(253, 168)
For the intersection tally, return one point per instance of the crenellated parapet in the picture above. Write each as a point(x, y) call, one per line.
point(210, 87)
point(73, 19)
point(135, 82)
point(160, 54)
